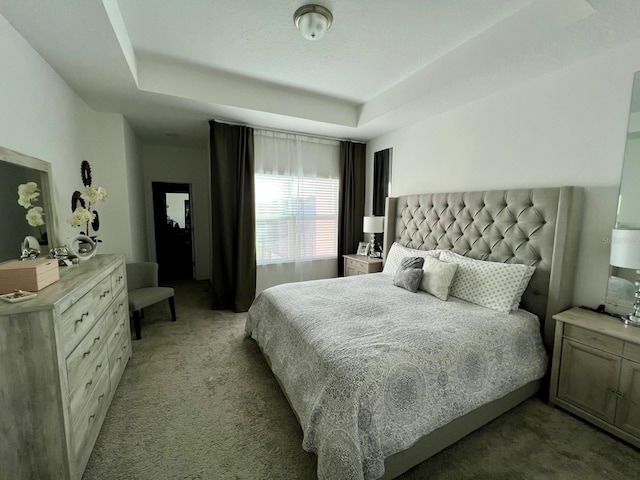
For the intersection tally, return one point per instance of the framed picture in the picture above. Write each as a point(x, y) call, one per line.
point(363, 248)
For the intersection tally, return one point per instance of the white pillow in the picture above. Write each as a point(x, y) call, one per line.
point(494, 285)
point(437, 277)
point(397, 252)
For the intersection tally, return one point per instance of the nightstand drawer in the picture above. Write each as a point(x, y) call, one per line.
point(594, 339)
point(361, 265)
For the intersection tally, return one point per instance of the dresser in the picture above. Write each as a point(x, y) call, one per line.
point(361, 264)
point(61, 357)
point(595, 372)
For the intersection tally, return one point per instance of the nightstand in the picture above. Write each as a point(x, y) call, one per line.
point(595, 373)
point(361, 265)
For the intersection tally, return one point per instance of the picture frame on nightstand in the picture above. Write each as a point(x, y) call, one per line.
point(363, 248)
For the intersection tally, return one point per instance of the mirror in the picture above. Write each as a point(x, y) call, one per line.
point(381, 180)
point(16, 169)
point(620, 286)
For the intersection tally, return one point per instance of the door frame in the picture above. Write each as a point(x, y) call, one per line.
point(173, 187)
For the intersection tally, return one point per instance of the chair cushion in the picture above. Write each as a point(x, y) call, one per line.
point(143, 297)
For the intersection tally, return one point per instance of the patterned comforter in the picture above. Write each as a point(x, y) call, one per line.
point(370, 368)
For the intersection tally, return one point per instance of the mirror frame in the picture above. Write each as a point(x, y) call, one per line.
point(44, 182)
point(381, 172)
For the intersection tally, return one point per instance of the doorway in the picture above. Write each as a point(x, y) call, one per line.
point(174, 231)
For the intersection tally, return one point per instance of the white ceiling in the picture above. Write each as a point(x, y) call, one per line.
point(170, 65)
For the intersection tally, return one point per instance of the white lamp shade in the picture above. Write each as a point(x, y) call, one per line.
point(625, 249)
point(373, 224)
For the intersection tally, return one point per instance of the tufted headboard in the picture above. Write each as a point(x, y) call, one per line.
point(538, 226)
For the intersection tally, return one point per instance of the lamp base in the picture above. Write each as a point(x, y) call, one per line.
point(631, 320)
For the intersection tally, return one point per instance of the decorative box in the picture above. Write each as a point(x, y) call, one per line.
point(29, 275)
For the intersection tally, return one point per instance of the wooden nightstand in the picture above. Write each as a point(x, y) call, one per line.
point(360, 265)
point(595, 372)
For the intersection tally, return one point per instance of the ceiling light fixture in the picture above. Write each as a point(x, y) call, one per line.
point(313, 21)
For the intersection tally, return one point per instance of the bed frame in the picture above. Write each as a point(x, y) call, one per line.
point(537, 226)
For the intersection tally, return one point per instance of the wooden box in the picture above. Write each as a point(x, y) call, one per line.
point(29, 275)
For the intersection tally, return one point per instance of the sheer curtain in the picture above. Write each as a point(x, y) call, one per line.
point(296, 198)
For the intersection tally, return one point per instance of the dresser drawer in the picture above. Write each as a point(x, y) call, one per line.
point(631, 351)
point(594, 339)
point(79, 396)
point(87, 422)
point(117, 280)
point(78, 320)
point(86, 357)
point(118, 335)
point(118, 313)
point(118, 360)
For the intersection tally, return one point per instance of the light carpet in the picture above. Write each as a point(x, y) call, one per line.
point(197, 402)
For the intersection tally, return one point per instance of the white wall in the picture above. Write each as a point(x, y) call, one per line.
point(44, 118)
point(564, 128)
point(135, 189)
point(181, 165)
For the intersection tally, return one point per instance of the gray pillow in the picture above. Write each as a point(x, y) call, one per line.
point(409, 273)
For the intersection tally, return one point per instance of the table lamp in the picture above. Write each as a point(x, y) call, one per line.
point(625, 253)
point(373, 225)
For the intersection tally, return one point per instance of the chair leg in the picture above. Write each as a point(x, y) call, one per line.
point(172, 306)
point(136, 325)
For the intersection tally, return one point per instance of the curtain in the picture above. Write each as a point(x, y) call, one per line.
point(352, 175)
point(233, 255)
point(297, 182)
point(381, 178)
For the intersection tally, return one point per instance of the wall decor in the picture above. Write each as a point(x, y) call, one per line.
point(83, 206)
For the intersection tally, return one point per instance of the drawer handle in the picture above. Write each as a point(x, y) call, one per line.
point(619, 394)
point(124, 348)
point(85, 314)
point(89, 383)
point(117, 334)
point(101, 397)
point(121, 305)
point(119, 359)
point(91, 417)
point(122, 325)
point(98, 367)
point(105, 293)
point(97, 339)
point(86, 353)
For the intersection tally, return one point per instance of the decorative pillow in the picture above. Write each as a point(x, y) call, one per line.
point(437, 277)
point(397, 252)
point(409, 274)
point(494, 285)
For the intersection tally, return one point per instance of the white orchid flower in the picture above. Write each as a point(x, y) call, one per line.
point(81, 216)
point(34, 216)
point(95, 194)
point(27, 194)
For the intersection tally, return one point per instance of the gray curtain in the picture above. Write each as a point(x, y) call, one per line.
point(233, 238)
point(351, 203)
point(380, 181)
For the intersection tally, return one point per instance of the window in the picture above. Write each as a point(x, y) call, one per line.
point(296, 218)
point(296, 183)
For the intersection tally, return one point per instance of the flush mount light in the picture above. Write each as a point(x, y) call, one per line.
point(313, 21)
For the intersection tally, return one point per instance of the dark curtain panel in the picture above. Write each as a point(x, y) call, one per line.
point(351, 203)
point(380, 181)
point(233, 238)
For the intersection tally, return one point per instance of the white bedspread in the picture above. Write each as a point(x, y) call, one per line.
point(370, 368)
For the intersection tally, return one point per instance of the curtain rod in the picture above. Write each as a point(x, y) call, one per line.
point(289, 132)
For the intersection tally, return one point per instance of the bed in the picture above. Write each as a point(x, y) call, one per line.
point(381, 378)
